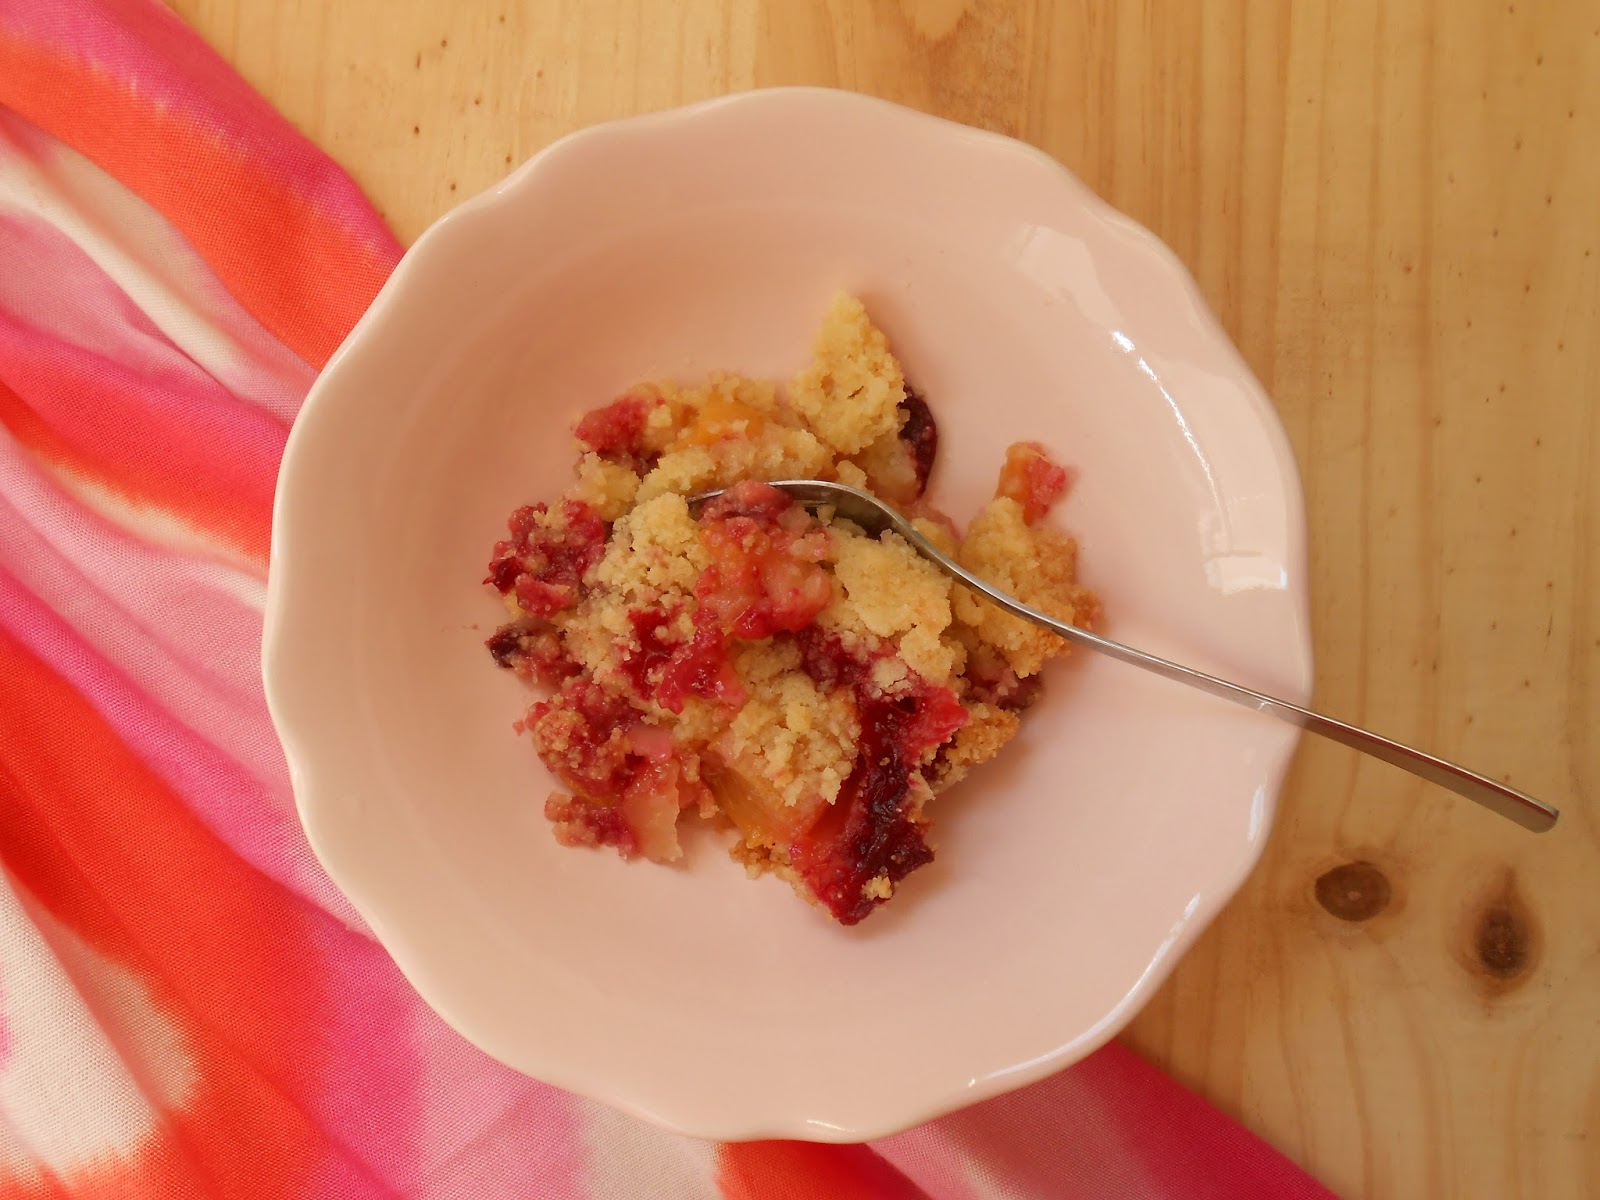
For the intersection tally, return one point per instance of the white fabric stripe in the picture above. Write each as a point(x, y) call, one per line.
point(66, 1089)
point(150, 261)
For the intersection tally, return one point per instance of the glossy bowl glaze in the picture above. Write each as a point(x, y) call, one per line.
point(1072, 872)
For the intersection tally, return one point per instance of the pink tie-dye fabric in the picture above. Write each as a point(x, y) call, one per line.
point(187, 1005)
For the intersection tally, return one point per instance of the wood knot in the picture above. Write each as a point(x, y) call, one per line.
point(1499, 940)
point(1502, 943)
point(1355, 891)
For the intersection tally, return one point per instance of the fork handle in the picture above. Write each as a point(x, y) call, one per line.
point(1498, 797)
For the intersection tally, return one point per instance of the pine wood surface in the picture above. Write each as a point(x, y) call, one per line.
point(1395, 209)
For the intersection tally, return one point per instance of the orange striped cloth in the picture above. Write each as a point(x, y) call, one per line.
point(188, 1008)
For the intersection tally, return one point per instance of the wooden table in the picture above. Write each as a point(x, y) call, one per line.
point(1395, 208)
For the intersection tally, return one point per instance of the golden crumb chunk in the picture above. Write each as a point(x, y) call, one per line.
point(850, 475)
point(879, 887)
point(851, 393)
point(1036, 565)
point(797, 739)
point(607, 487)
point(891, 591)
point(983, 736)
point(779, 452)
point(655, 548)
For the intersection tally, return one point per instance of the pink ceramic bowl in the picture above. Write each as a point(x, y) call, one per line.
point(1072, 872)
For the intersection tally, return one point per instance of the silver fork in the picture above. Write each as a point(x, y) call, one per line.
point(874, 516)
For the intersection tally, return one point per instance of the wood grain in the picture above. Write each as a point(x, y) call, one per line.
point(1395, 208)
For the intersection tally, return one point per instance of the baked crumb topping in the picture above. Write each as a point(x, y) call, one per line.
point(755, 663)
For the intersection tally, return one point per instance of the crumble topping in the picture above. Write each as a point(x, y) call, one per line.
point(759, 664)
point(1037, 566)
point(850, 395)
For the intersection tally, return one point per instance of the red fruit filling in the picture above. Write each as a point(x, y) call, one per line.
point(581, 823)
point(920, 435)
point(873, 827)
point(701, 668)
point(582, 733)
point(534, 653)
point(543, 562)
point(617, 431)
point(765, 576)
point(764, 579)
point(1031, 479)
point(506, 645)
point(626, 773)
point(643, 663)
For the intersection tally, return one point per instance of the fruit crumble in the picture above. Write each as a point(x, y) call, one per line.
point(783, 672)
